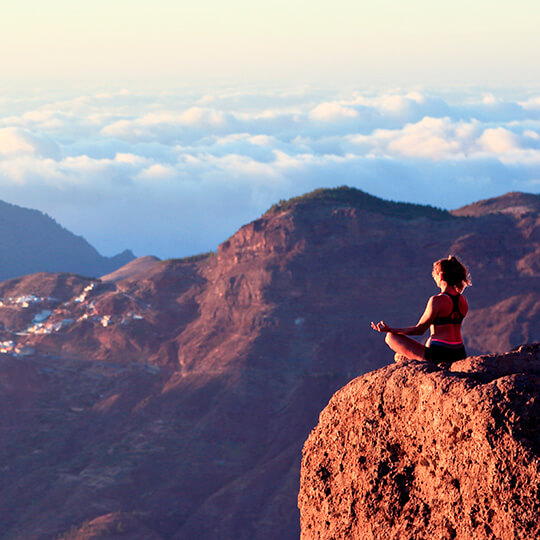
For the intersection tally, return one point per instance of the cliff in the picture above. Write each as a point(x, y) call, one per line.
point(412, 451)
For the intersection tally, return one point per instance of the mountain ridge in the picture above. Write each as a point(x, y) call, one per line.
point(31, 241)
point(511, 202)
point(356, 198)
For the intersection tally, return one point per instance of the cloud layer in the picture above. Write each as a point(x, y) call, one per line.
point(174, 174)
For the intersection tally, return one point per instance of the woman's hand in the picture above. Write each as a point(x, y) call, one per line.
point(380, 327)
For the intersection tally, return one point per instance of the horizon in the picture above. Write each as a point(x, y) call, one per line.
point(162, 128)
point(276, 203)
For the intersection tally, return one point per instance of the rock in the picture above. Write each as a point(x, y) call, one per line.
point(413, 451)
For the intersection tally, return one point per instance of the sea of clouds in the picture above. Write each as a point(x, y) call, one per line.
point(174, 173)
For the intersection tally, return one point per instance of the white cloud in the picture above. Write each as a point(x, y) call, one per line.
point(158, 172)
point(498, 140)
point(392, 103)
point(531, 103)
point(196, 116)
point(199, 166)
point(131, 159)
point(330, 112)
point(489, 99)
point(531, 134)
point(431, 138)
point(16, 142)
point(167, 126)
point(21, 171)
point(262, 140)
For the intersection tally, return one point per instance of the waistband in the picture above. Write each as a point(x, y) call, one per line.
point(450, 344)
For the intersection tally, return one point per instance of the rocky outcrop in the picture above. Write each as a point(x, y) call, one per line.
point(413, 451)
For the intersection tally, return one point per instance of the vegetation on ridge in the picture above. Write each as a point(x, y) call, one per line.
point(356, 198)
point(190, 258)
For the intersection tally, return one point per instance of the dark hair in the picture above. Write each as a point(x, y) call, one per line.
point(453, 272)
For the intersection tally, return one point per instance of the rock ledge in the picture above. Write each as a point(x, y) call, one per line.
point(412, 451)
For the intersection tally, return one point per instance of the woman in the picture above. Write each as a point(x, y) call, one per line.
point(444, 313)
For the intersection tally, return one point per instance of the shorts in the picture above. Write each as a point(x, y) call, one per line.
point(440, 352)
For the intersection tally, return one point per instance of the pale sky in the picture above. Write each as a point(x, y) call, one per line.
point(163, 126)
point(492, 42)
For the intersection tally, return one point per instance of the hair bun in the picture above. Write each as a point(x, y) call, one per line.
point(453, 272)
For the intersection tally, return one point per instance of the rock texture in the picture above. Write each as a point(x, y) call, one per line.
point(415, 452)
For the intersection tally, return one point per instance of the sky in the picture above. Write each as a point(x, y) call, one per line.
point(385, 42)
point(164, 126)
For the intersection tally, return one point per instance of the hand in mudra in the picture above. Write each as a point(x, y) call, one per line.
point(380, 327)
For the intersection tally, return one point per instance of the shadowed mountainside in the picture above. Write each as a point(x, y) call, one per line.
point(177, 394)
point(31, 241)
point(411, 451)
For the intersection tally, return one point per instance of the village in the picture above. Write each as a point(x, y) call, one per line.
point(50, 316)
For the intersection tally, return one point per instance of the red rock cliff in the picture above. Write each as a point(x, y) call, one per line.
point(412, 451)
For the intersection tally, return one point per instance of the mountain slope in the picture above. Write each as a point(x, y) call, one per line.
point(32, 242)
point(131, 270)
point(183, 393)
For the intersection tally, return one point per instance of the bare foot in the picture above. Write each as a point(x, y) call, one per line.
point(400, 357)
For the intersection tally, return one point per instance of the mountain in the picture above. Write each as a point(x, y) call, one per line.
point(511, 203)
point(176, 396)
point(31, 241)
point(131, 270)
point(412, 451)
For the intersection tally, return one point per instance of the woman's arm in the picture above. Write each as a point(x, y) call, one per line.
point(421, 326)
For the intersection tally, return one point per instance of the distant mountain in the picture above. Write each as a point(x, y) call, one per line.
point(175, 396)
point(355, 198)
point(31, 241)
point(511, 203)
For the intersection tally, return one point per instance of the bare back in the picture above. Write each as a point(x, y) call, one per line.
point(444, 306)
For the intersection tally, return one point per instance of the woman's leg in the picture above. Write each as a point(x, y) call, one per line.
point(406, 346)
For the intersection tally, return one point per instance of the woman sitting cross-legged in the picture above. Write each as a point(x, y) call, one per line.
point(444, 313)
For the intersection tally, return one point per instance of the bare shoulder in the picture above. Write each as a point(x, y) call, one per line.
point(436, 302)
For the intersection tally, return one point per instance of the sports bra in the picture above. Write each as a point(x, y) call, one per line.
point(455, 316)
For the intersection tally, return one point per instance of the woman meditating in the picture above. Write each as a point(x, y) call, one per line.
point(444, 314)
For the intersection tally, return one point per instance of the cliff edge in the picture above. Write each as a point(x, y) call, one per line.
point(413, 451)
